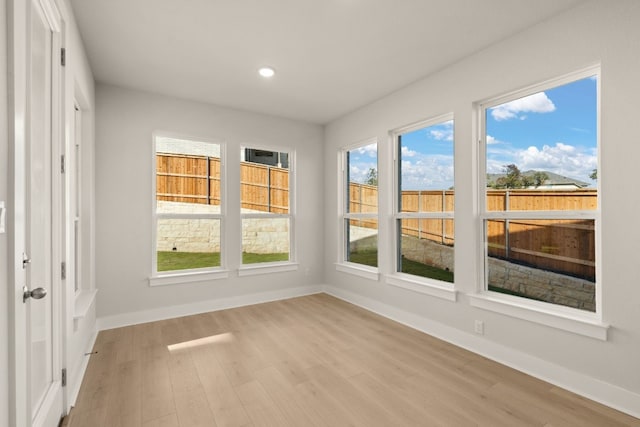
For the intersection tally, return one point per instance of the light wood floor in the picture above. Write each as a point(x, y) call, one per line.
point(310, 361)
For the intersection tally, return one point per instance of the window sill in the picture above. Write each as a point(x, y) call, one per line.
point(265, 268)
point(83, 302)
point(358, 270)
point(427, 287)
point(564, 318)
point(181, 278)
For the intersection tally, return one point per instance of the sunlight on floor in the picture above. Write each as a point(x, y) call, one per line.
point(213, 339)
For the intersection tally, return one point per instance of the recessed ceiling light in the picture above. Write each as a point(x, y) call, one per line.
point(266, 72)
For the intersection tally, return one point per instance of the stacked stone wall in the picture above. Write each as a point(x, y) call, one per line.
point(203, 235)
point(531, 282)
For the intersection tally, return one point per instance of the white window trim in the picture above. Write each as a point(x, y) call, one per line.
point(83, 301)
point(267, 268)
point(188, 276)
point(342, 265)
point(175, 277)
point(424, 285)
point(77, 199)
point(361, 270)
point(557, 316)
point(280, 266)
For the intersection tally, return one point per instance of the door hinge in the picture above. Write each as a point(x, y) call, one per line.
point(63, 270)
point(64, 377)
point(62, 164)
point(63, 57)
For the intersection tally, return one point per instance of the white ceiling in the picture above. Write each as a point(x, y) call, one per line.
point(331, 56)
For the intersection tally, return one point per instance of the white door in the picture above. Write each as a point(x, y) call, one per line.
point(41, 314)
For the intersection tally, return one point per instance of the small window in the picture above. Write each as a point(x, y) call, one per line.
point(360, 212)
point(425, 203)
point(76, 200)
point(187, 209)
point(540, 194)
point(266, 206)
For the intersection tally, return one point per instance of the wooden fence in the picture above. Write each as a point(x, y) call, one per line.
point(565, 246)
point(196, 179)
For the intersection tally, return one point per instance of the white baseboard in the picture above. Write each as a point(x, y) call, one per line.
point(591, 388)
point(78, 373)
point(127, 319)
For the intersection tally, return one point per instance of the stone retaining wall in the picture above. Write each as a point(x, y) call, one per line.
point(531, 282)
point(203, 235)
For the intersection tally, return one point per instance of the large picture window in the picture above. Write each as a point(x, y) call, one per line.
point(425, 199)
point(187, 207)
point(266, 206)
point(539, 201)
point(360, 204)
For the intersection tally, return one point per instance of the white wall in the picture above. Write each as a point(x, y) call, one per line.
point(4, 268)
point(598, 31)
point(125, 122)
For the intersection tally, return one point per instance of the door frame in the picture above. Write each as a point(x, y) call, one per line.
point(18, 20)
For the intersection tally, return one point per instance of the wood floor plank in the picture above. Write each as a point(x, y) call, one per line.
point(157, 392)
point(166, 421)
point(310, 361)
point(260, 407)
point(227, 408)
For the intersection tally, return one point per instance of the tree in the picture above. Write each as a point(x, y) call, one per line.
point(372, 177)
point(594, 175)
point(539, 178)
point(513, 178)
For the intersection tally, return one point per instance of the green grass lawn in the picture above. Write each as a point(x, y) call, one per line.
point(370, 257)
point(169, 261)
point(249, 258)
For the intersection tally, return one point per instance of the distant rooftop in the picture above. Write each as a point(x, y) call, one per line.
point(553, 179)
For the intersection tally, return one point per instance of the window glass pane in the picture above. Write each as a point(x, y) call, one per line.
point(426, 248)
point(187, 176)
point(184, 244)
point(265, 240)
point(362, 178)
point(545, 260)
point(541, 151)
point(362, 235)
point(264, 181)
point(426, 169)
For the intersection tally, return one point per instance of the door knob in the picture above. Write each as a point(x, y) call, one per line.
point(37, 293)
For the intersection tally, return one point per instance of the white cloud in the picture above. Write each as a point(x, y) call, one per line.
point(442, 135)
point(427, 173)
point(442, 132)
point(491, 140)
point(370, 150)
point(536, 103)
point(563, 159)
point(406, 152)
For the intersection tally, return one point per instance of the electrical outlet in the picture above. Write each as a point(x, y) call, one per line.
point(3, 212)
point(479, 327)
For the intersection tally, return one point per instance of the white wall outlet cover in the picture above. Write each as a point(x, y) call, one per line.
point(3, 215)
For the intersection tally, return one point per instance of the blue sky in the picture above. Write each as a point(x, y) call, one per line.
point(361, 160)
point(427, 158)
point(554, 131)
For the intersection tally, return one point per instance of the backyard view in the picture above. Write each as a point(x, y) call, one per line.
point(188, 199)
point(539, 206)
point(169, 260)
